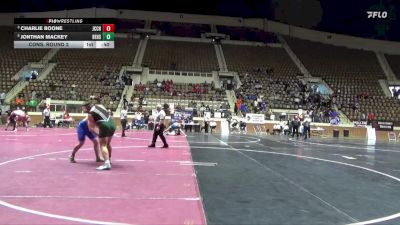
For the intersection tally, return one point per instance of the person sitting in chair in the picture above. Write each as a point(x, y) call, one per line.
point(276, 129)
point(235, 126)
point(243, 127)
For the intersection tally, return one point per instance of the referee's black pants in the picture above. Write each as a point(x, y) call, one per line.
point(47, 121)
point(307, 131)
point(206, 127)
point(123, 124)
point(295, 131)
point(14, 123)
point(159, 132)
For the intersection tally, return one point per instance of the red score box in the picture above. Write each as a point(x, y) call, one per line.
point(108, 28)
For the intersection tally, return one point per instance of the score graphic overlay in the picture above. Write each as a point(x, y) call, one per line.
point(64, 33)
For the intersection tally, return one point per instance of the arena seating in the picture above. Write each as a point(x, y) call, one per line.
point(268, 66)
point(12, 60)
point(179, 93)
point(352, 74)
point(183, 56)
point(81, 75)
point(85, 74)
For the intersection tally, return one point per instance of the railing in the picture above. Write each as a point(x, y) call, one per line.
point(231, 99)
point(121, 101)
point(180, 73)
point(15, 90)
point(385, 66)
point(294, 57)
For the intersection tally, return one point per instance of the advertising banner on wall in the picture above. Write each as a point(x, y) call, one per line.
point(255, 118)
point(362, 123)
point(383, 125)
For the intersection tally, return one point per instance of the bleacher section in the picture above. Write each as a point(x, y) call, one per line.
point(245, 59)
point(179, 93)
point(84, 74)
point(12, 60)
point(354, 72)
point(183, 56)
point(270, 67)
point(266, 72)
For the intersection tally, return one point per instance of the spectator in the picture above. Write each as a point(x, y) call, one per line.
point(307, 125)
point(2, 98)
point(263, 105)
point(19, 101)
point(34, 75)
point(125, 102)
point(295, 126)
point(243, 109)
point(371, 118)
point(395, 93)
point(363, 117)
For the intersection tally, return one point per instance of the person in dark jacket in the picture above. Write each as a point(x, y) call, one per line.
point(295, 126)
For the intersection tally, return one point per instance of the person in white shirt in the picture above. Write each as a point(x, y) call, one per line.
point(213, 125)
point(33, 94)
point(206, 119)
point(276, 129)
point(124, 118)
point(2, 98)
point(307, 127)
point(46, 117)
point(286, 129)
point(137, 120)
point(159, 128)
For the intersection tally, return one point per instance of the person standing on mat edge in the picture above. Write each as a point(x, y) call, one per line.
point(295, 126)
point(206, 119)
point(307, 127)
point(159, 128)
point(46, 117)
point(83, 131)
point(100, 122)
point(124, 119)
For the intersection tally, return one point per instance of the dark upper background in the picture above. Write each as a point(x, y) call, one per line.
point(337, 16)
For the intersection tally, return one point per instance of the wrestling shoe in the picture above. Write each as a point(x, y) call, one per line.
point(104, 167)
point(71, 159)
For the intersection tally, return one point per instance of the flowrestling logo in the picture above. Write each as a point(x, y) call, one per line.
point(377, 14)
